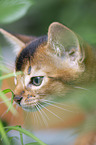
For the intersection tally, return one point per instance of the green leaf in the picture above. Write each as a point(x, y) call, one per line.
point(12, 10)
point(7, 102)
point(4, 69)
point(3, 135)
point(21, 138)
point(33, 143)
point(18, 128)
point(7, 91)
point(13, 137)
point(10, 75)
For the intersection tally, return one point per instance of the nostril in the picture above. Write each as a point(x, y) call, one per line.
point(18, 99)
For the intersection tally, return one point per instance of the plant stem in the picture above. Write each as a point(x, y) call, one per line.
point(26, 133)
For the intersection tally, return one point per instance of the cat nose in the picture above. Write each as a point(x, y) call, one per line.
point(18, 99)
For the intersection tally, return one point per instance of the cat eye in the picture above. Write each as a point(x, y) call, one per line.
point(36, 81)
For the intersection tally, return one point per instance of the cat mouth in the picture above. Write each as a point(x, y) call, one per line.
point(29, 103)
point(32, 105)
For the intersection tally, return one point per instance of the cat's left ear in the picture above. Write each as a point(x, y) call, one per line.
point(63, 42)
point(14, 41)
point(17, 41)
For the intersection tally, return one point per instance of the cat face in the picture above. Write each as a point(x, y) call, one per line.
point(49, 64)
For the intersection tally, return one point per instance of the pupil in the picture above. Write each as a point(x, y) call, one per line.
point(37, 80)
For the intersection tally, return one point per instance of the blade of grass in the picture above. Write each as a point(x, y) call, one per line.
point(7, 91)
point(33, 143)
point(3, 68)
point(21, 138)
point(17, 128)
point(7, 103)
point(0, 70)
point(10, 75)
point(3, 135)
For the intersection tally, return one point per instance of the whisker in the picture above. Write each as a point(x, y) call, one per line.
point(6, 63)
point(4, 113)
point(58, 107)
point(12, 117)
point(43, 117)
point(13, 103)
point(77, 87)
point(5, 59)
point(36, 117)
point(56, 102)
point(26, 116)
point(5, 101)
point(43, 112)
point(51, 112)
point(39, 114)
point(8, 67)
point(87, 90)
point(6, 109)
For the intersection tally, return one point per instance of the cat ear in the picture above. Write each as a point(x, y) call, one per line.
point(18, 41)
point(63, 42)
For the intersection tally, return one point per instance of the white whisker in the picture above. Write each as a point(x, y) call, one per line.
point(16, 105)
point(43, 117)
point(39, 117)
point(6, 63)
point(4, 113)
point(77, 87)
point(51, 112)
point(5, 101)
point(36, 117)
point(56, 102)
point(43, 112)
point(39, 114)
point(6, 60)
point(57, 106)
point(26, 116)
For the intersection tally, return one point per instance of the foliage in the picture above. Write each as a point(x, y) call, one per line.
point(77, 15)
point(7, 141)
point(12, 10)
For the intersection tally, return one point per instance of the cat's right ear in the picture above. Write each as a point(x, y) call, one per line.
point(17, 41)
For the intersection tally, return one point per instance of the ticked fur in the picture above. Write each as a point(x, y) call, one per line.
point(50, 65)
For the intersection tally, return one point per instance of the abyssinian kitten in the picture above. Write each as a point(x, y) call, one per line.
point(51, 66)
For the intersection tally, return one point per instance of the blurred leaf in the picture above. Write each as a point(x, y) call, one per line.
point(21, 138)
point(7, 102)
point(10, 75)
point(3, 135)
point(33, 143)
point(11, 10)
point(7, 91)
point(4, 69)
point(13, 137)
point(18, 128)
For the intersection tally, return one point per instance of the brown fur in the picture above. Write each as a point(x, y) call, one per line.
point(61, 68)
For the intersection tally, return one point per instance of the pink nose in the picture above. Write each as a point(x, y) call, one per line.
point(18, 99)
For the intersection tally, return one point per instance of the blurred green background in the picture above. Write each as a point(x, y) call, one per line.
point(78, 15)
point(33, 17)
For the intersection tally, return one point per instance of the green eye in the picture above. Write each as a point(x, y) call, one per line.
point(36, 81)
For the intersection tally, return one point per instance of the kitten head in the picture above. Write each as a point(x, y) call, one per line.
point(49, 64)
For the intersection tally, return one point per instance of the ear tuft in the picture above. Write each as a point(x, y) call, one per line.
point(16, 43)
